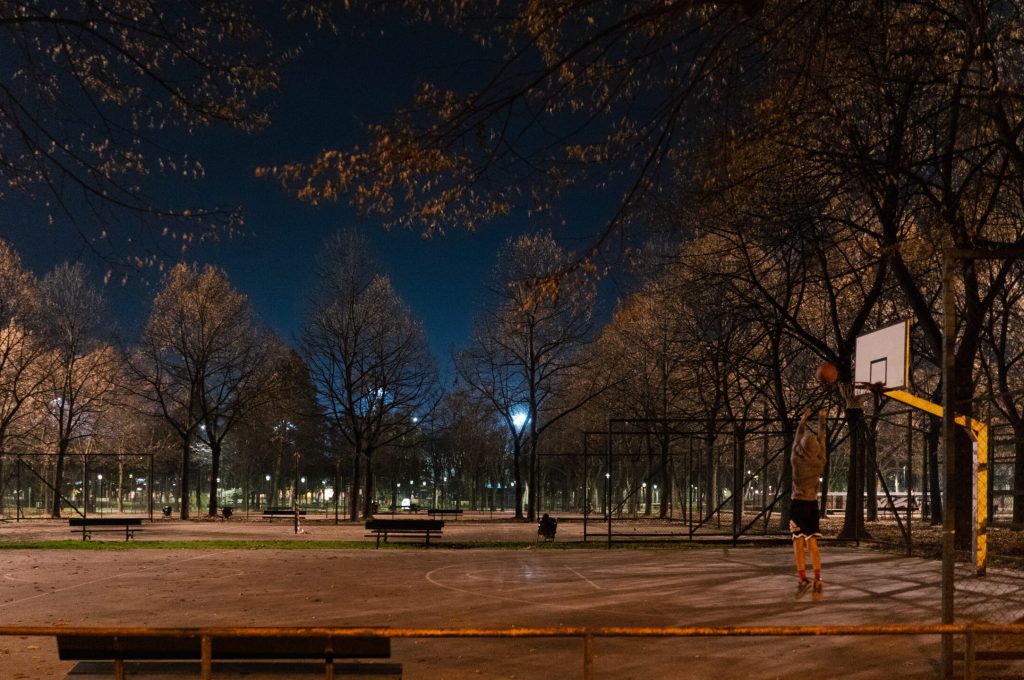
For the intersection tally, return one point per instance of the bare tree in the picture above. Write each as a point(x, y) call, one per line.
point(368, 357)
point(80, 371)
point(202, 364)
point(584, 95)
point(906, 115)
point(528, 345)
point(1001, 356)
point(21, 352)
point(95, 94)
point(473, 439)
point(80, 367)
point(294, 420)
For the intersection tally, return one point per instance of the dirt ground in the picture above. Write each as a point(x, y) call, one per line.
point(481, 587)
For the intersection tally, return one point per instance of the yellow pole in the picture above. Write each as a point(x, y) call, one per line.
point(979, 433)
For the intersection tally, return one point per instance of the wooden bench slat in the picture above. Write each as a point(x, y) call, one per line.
point(104, 670)
point(437, 512)
point(90, 525)
point(156, 648)
point(104, 521)
point(405, 524)
point(405, 528)
point(999, 655)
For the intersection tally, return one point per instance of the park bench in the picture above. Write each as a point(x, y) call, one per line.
point(281, 511)
point(177, 655)
point(405, 528)
point(90, 525)
point(442, 513)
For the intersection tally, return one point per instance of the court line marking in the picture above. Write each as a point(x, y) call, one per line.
point(596, 587)
point(575, 607)
point(99, 580)
point(11, 577)
point(504, 598)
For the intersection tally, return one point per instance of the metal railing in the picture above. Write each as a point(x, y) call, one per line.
point(208, 635)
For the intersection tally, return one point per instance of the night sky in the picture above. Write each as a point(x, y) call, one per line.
point(338, 84)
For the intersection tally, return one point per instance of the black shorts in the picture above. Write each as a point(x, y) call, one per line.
point(803, 519)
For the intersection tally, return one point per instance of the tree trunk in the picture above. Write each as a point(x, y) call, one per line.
point(120, 484)
point(186, 450)
point(534, 498)
point(58, 479)
point(710, 480)
point(934, 483)
point(214, 474)
point(368, 487)
point(353, 506)
point(870, 475)
point(739, 468)
point(963, 491)
point(1018, 478)
point(853, 524)
point(648, 480)
point(518, 481)
point(666, 478)
point(786, 478)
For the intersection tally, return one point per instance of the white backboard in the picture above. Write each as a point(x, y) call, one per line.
point(883, 356)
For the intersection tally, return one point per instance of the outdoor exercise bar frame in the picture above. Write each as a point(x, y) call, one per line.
point(670, 429)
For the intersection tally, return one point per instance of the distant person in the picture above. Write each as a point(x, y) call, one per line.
point(808, 461)
point(547, 527)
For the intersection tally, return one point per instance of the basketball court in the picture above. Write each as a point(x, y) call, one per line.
point(528, 587)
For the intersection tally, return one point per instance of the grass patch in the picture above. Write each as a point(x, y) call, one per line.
point(330, 545)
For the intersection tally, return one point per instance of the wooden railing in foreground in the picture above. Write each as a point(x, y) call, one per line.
point(209, 635)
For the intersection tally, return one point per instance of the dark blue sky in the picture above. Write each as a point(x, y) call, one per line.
point(338, 84)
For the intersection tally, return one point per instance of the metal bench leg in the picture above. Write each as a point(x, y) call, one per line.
point(970, 672)
point(588, 656)
point(206, 663)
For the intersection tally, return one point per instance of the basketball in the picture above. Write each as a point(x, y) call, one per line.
point(827, 373)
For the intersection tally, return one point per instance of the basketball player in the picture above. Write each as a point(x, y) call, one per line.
point(808, 461)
